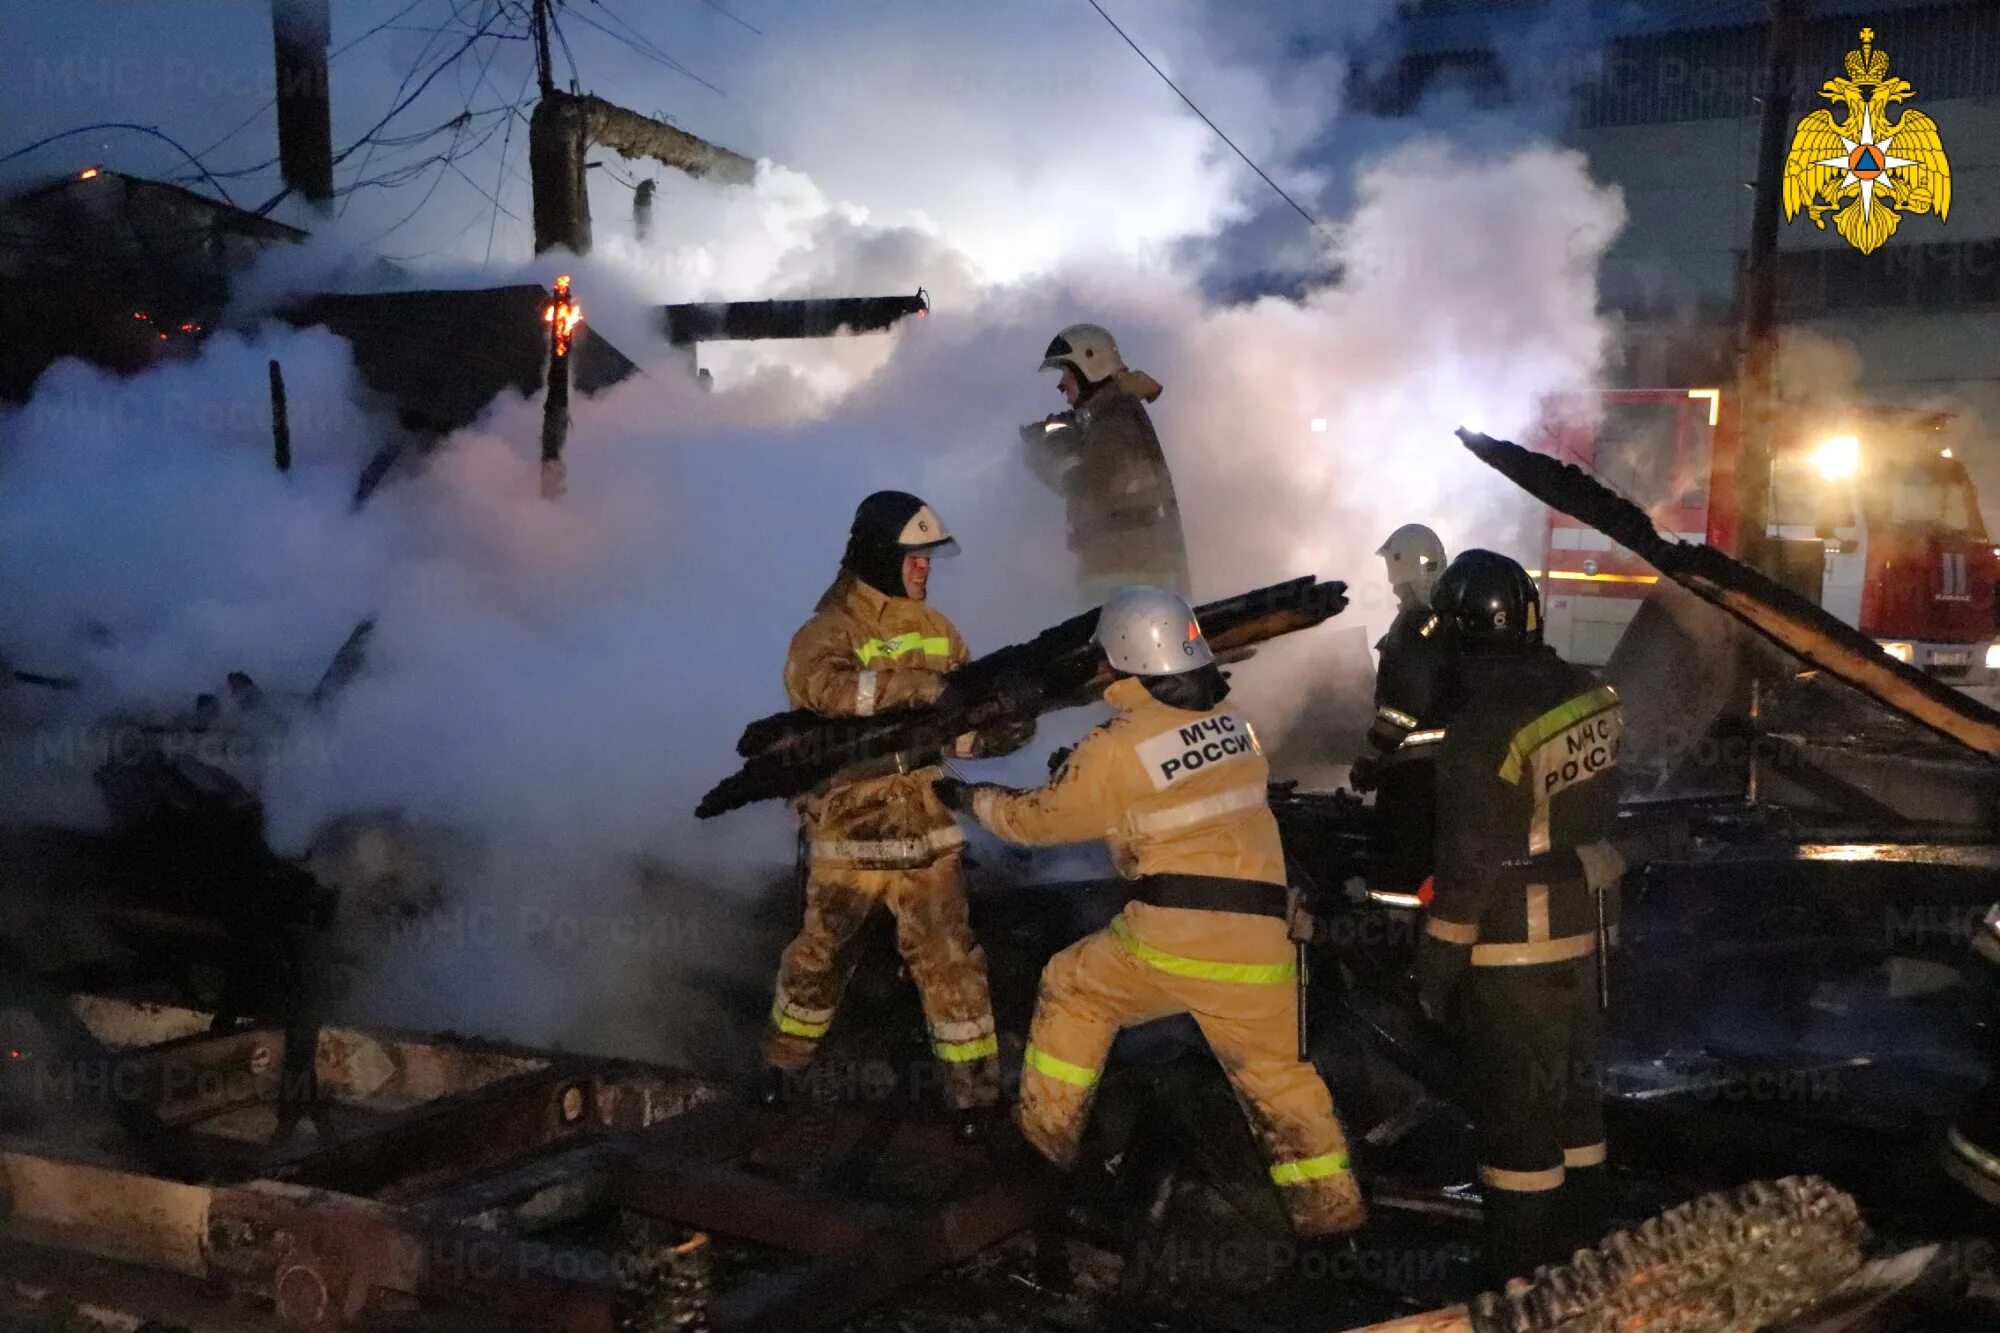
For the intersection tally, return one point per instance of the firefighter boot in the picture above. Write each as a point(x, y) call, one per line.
point(1523, 1230)
point(1585, 1199)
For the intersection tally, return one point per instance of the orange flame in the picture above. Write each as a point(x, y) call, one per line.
point(562, 315)
point(87, 173)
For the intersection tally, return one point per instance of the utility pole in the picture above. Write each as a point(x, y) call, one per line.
point(299, 32)
point(1757, 350)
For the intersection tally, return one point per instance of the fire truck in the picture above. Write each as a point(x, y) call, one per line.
point(1870, 516)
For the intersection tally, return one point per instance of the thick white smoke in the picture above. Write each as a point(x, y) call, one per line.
point(556, 683)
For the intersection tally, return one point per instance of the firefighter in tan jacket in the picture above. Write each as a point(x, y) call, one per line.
point(877, 834)
point(1176, 785)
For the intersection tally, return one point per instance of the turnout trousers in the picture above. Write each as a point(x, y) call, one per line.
point(935, 938)
point(1248, 1014)
point(1532, 1067)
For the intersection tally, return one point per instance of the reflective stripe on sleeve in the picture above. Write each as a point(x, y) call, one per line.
point(1202, 969)
point(1195, 812)
point(1451, 932)
point(1308, 1169)
point(1062, 1071)
point(1417, 739)
point(1521, 1182)
point(1550, 724)
point(864, 694)
point(1396, 716)
point(1590, 1154)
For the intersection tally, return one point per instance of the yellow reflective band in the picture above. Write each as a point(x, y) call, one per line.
point(1551, 724)
point(1309, 1169)
point(959, 1052)
point(1579, 576)
point(791, 1027)
point(1201, 969)
point(901, 644)
point(1062, 1071)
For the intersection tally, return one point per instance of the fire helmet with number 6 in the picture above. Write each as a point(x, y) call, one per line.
point(1148, 631)
point(1489, 604)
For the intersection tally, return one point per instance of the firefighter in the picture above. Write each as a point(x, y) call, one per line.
point(1525, 899)
point(1400, 765)
point(1176, 784)
point(1103, 457)
point(876, 834)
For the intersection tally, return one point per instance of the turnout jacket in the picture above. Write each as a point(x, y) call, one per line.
point(1171, 792)
point(863, 653)
point(1529, 763)
point(1104, 458)
point(1410, 687)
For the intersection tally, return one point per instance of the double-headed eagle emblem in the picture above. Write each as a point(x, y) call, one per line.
point(1866, 170)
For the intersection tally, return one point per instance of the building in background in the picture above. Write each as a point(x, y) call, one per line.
point(1663, 99)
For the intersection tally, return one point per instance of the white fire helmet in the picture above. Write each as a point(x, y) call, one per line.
point(1088, 348)
point(1415, 557)
point(1147, 631)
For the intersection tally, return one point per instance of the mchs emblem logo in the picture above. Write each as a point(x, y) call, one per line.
point(1866, 169)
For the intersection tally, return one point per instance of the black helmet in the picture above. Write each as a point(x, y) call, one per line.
point(887, 526)
point(1489, 603)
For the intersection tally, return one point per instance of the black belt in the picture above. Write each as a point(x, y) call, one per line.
point(1213, 893)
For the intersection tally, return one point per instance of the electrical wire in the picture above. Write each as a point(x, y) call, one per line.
point(717, 6)
point(171, 142)
point(499, 182)
point(646, 49)
point(1296, 207)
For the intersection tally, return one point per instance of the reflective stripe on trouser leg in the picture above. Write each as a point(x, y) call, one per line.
point(810, 973)
point(949, 969)
point(1253, 1031)
point(1088, 992)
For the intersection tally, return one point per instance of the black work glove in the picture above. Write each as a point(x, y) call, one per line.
point(1058, 759)
point(1440, 968)
point(956, 795)
point(1365, 774)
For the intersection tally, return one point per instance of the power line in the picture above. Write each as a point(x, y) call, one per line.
point(645, 46)
point(499, 181)
point(171, 142)
point(1296, 208)
point(717, 6)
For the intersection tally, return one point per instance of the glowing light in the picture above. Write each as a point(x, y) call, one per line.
point(1946, 453)
point(1993, 657)
point(1714, 397)
point(1838, 457)
point(562, 315)
point(88, 173)
point(1319, 425)
point(1902, 652)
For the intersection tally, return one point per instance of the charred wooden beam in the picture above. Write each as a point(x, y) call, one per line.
point(632, 135)
point(299, 31)
point(281, 423)
point(790, 753)
point(431, 1146)
point(743, 321)
point(560, 132)
point(1766, 606)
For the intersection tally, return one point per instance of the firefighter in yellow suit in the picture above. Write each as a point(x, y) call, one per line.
point(1176, 784)
point(877, 834)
